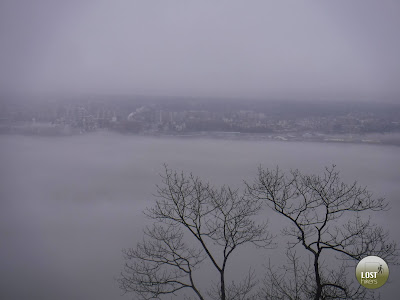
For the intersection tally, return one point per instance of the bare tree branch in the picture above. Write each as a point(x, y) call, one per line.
point(219, 221)
point(326, 215)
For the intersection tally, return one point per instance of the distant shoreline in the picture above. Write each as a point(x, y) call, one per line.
point(389, 138)
point(378, 139)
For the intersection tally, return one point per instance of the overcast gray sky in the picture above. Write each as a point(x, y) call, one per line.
point(286, 49)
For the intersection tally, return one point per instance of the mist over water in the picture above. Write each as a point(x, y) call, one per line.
point(70, 204)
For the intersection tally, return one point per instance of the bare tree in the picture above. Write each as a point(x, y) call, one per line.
point(218, 221)
point(327, 217)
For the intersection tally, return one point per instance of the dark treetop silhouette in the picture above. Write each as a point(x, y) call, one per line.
point(196, 223)
point(327, 217)
point(219, 220)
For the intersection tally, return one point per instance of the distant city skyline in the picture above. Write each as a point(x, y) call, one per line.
point(279, 120)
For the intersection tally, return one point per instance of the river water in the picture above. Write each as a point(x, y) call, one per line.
point(70, 204)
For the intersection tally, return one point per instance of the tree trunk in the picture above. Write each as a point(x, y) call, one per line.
point(223, 297)
point(317, 278)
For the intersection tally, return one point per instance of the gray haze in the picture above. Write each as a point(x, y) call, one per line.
point(284, 49)
point(70, 204)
